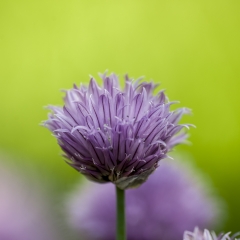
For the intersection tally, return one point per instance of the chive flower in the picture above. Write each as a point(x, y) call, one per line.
point(174, 199)
point(114, 135)
point(206, 235)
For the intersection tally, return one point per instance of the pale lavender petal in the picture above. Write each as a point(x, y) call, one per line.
point(207, 235)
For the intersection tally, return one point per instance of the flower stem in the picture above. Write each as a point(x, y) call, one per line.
point(121, 229)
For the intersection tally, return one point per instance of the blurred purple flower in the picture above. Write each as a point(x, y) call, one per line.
point(23, 212)
point(206, 235)
point(113, 135)
point(171, 201)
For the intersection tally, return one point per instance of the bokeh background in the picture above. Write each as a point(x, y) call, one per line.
point(190, 47)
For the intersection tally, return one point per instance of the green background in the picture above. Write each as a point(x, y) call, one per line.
point(191, 47)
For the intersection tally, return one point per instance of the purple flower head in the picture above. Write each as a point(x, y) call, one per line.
point(115, 135)
point(206, 235)
point(174, 199)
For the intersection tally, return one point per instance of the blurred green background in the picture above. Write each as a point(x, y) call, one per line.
point(191, 47)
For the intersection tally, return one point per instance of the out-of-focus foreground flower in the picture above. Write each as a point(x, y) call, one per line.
point(24, 215)
point(206, 235)
point(113, 135)
point(173, 200)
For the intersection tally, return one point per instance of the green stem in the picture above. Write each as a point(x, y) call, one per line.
point(121, 229)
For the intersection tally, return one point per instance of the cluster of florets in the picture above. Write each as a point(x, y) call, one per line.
point(112, 135)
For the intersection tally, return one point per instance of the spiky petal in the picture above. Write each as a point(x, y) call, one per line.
point(109, 134)
point(206, 235)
